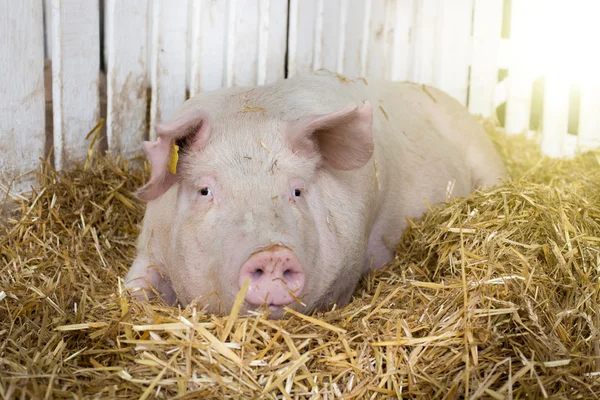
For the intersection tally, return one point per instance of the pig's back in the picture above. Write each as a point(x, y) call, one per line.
point(418, 123)
point(424, 142)
point(435, 135)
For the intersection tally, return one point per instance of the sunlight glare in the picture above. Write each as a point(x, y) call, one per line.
point(562, 39)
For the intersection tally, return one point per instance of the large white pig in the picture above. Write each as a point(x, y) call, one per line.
point(300, 186)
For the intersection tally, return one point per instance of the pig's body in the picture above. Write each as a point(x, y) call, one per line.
point(424, 141)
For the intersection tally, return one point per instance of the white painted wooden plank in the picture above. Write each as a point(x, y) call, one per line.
point(425, 36)
point(380, 49)
point(318, 42)
point(301, 38)
point(555, 120)
point(208, 50)
point(504, 54)
point(102, 25)
point(127, 24)
point(150, 39)
point(487, 30)
point(451, 73)
point(377, 37)
point(569, 146)
point(518, 103)
point(169, 59)
point(402, 60)
point(356, 25)
point(244, 20)
point(272, 46)
point(48, 29)
point(589, 117)
point(188, 45)
point(330, 36)
point(22, 134)
point(229, 43)
point(264, 18)
point(75, 72)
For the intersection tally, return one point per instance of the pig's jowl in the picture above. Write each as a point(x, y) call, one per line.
point(300, 187)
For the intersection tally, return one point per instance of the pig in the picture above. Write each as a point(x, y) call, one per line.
point(300, 188)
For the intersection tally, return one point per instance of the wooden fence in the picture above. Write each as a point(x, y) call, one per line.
point(175, 48)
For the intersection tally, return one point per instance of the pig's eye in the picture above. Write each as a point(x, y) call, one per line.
point(297, 192)
point(204, 191)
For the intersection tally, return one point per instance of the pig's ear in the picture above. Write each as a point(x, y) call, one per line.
point(343, 139)
point(190, 131)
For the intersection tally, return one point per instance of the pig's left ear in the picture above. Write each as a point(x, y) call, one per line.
point(343, 139)
point(190, 128)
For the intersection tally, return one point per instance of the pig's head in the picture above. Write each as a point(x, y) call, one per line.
point(250, 203)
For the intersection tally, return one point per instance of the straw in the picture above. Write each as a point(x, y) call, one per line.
point(491, 296)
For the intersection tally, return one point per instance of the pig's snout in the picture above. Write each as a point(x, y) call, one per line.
point(276, 277)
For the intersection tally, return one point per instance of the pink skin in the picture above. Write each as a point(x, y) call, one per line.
point(243, 238)
point(226, 216)
point(309, 186)
point(276, 277)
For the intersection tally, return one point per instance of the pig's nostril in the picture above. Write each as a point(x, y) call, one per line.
point(257, 274)
point(277, 277)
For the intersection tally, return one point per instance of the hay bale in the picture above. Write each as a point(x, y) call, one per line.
point(490, 296)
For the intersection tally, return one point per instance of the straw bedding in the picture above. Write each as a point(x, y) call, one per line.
point(491, 296)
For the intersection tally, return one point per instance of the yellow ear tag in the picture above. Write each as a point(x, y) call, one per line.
point(174, 159)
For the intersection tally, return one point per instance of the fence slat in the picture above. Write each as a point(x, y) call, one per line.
point(48, 29)
point(329, 42)
point(487, 28)
point(356, 36)
point(453, 43)
point(208, 51)
point(22, 134)
point(381, 39)
point(273, 25)
point(168, 59)
point(423, 45)
point(403, 27)
point(589, 117)
point(301, 40)
point(126, 42)
point(555, 120)
point(75, 72)
point(518, 102)
point(243, 65)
